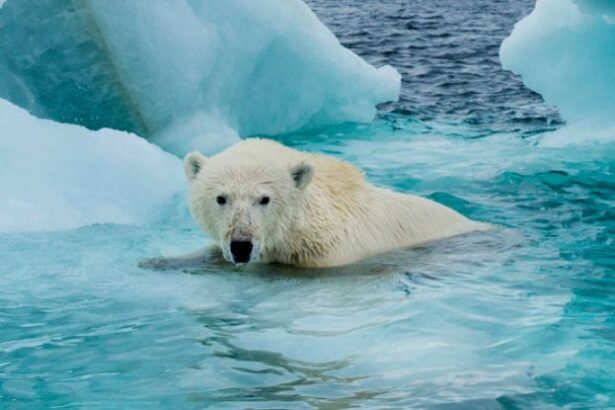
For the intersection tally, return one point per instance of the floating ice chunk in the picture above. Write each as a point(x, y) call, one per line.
point(245, 67)
point(565, 50)
point(60, 176)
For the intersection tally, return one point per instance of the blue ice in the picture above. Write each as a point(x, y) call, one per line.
point(185, 74)
point(565, 50)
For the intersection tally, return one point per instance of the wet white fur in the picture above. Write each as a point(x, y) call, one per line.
point(322, 211)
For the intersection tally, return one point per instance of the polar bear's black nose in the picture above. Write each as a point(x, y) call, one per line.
point(241, 251)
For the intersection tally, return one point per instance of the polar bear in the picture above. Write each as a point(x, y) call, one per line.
point(264, 202)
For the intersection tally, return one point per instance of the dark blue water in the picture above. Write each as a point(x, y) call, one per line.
point(447, 53)
point(521, 317)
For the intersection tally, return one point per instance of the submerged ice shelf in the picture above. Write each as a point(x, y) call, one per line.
point(184, 74)
point(565, 50)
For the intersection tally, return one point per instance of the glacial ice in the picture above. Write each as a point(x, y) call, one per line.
point(185, 74)
point(565, 50)
point(62, 176)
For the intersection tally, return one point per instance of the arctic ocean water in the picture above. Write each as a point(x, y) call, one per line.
point(521, 317)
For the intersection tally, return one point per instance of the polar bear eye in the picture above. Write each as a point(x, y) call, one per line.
point(221, 199)
point(264, 200)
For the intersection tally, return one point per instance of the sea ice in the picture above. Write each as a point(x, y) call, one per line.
point(565, 50)
point(224, 68)
point(61, 176)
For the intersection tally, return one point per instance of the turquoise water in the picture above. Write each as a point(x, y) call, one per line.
point(520, 317)
point(516, 318)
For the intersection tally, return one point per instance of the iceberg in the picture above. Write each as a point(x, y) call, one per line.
point(59, 176)
point(185, 74)
point(565, 50)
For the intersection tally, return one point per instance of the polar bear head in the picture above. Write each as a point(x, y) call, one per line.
point(247, 204)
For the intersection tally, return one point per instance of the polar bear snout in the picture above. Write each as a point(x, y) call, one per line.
point(241, 250)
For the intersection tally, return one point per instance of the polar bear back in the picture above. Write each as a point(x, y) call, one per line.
point(341, 218)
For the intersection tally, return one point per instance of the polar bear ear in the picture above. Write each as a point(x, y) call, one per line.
point(302, 174)
point(193, 164)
